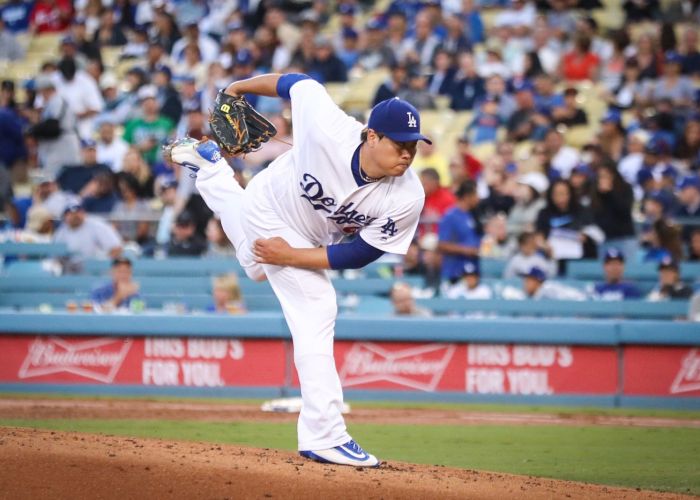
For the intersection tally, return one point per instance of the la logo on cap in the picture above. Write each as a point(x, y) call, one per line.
point(411, 120)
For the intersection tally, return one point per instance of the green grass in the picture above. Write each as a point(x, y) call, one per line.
point(651, 458)
point(476, 407)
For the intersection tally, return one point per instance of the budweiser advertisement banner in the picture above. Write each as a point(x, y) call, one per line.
point(427, 367)
point(194, 362)
point(661, 371)
point(477, 368)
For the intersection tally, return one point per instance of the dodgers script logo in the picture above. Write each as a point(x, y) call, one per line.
point(313, 192)
point(97, 359)
point(420, 367)
point(343, 215)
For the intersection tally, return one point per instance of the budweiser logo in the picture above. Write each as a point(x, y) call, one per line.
point(688, 378)
point(97, 359)
point(419, 367)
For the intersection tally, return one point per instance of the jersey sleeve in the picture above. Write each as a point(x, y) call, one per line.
point(315, 115)
point(394, 232)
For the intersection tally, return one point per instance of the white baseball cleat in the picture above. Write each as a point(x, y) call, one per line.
point(192, 153)
point(349, 453)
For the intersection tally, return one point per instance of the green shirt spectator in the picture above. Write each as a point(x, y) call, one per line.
point(150, 131)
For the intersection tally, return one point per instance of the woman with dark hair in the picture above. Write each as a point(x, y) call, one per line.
point(611, 206)
point(624, 95)
point(533, 66)
point(648, 56)
point(560, 225)
point(130, 214)
point(164, 31)
point(662, 240)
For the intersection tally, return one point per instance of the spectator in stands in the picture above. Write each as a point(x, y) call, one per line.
point(456, 41)
point(689, 197)
point(131, 216)
point(569, 113)
point(111, 149)
point(496, 244)
point(580, 63)
point(135, 165)
point(50, 16)
point(632, 162)
point(614, 287)
point(109, 34)
point(662, 239)
point(467, 166)
point(74, 178)
point(470, 286)
point(688, 145)
point(168, 97)
point(191, 34)
point(561, 225)
point(416, 91)
point(689, 51)
point(468, 86)
point(563, 158)
point(40, 225)
point(167, 195)
point(87, 236)
point(629, 91)
point(612, 137)
point(640, 10)
point(460, 233)
point(376, 52)
point(326, 66)
point(403, 302)
point(525, 122)
point(99, 195)
point(184, 239)
point(150, 131)
point(219, 244)
point(422, 260)
point(393, 85)
point(487, 121)
point(528, 202)
point(227, 296)
point(10, 48)
point(164, 30)
point(694, 245)
point(581, 181)
point(611, 205)
point(81, 93)
point(670, 285)
point(537, 287)
point(438, 200)
point(429, 156)
point(442, 77)
point(120, 291)
point(423, 44)
point(528, 257)
point(13, 149)
point(58, 143)
point(671, 85)
point(83, 42)
point(348, 52)
point(7, 207)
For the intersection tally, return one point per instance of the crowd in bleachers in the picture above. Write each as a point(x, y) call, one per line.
point(562, 129)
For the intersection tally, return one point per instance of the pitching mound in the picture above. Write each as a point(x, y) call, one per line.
point(57, 465)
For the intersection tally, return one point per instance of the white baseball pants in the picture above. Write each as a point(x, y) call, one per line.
point(307, 297)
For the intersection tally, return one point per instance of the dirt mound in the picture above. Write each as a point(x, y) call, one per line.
point(57, 465)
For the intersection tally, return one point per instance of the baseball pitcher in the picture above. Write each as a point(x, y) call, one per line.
point(341, 197)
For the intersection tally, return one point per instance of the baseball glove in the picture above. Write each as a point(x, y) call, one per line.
point(237, 127)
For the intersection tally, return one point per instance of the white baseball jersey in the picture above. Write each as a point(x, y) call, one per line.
point(322, 200)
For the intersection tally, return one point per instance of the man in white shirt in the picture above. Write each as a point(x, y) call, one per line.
point(82, 94)
point(110, 149)
point(563, 158)
point(88, 236)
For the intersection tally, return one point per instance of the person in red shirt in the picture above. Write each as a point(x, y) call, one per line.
point(50, 16)
point(472, 166)
point(438, 200)
point(580, 63)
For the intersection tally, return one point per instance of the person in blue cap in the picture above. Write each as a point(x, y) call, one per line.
point(537, 287)
point(340, 198)
point(689, 202)
point(470, 286)
point(614, 287)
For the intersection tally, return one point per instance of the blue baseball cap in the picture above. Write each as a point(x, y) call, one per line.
point(88, 143)
point(613, 253)
point(398, 120)
point(667, 262)
point(692, 181)
point(669, 171)
point(471, 267)
point(583, 169)
point(73, 207)
point(611, 117)
point(523, 86)
point(662, 198)
point(346, 9)
point(536, 273)
point(644, 175)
